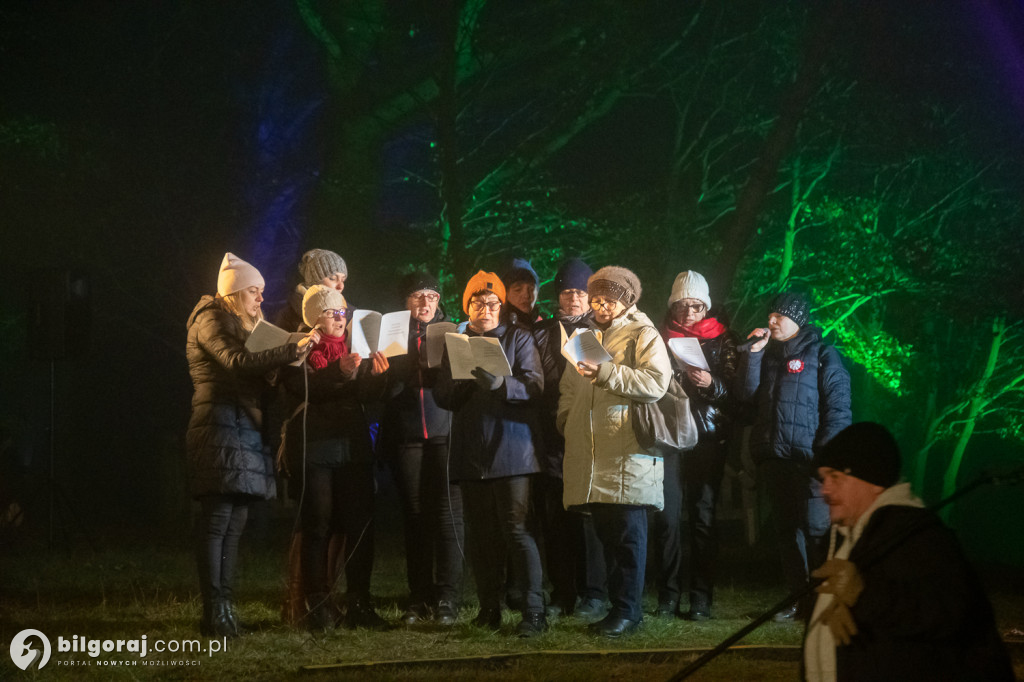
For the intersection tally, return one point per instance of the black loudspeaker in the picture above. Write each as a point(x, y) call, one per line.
point(60, 321)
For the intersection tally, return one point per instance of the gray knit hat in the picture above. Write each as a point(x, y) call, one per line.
point(316, 264)
point(615, 282)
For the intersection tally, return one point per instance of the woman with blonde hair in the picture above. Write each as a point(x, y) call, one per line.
point(227, 467)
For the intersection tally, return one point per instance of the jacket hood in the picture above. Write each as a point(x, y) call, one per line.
point(205, 302)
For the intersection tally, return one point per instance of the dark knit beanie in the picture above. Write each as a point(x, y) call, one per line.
point(612, 281)
point(793, 305)
point(573, 274)
point(418, 281)
point(316, 264)
point(520, 270)
point(865, 450)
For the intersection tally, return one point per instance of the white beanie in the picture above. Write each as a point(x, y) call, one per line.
point(690, 284)
point(235, 275)
point(319, 298)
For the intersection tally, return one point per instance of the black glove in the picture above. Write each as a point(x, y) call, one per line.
point(486, 380)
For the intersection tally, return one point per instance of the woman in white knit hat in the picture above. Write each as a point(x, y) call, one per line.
point(227, 468)
point(693, 479)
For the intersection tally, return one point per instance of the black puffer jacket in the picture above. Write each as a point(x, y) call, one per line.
point(712, 405)
point(495, 433)
point(336, 431)
point(800, 392)
point(224, 444)
point(549, 345)
point(411, 413)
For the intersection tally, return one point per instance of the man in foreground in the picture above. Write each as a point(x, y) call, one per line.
point(899, 600)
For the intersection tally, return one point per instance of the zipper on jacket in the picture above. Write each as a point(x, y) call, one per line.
point(419, 373)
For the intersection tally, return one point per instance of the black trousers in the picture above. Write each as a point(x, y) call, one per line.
point(565, 545)
point(432, 512)
point(622, 529)
point(801, 517)
point(218, 531)
point(337, 500)
point(496, 522)
point(692, 483)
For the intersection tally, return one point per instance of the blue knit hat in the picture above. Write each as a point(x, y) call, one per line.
point(520, 270)
point(573, 274)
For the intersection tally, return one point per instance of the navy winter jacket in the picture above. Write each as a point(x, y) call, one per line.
point(800, 392)
point(495, 433)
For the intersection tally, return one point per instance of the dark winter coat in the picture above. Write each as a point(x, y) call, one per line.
point(336, 429)
point(495, 433)
point(712, 405)
point(411, 412)
point(800, 392)
point(549, 345)
point(224, 445)
point(923, 614)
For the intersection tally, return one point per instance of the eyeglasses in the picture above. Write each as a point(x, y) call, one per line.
point(607, 304)
point(572, 293)
point(430, 297)
point(338, 315)
point(477, 306)
point(695, 307)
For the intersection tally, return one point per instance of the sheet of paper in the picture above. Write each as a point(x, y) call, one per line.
point(585, 347)
point(266, 335)
point(687, 351)
point(435, 341)
point(365, 331)
point(488, 355)
point(466, 353)
point(393, 336)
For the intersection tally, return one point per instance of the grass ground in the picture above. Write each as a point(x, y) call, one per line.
point(146, 586)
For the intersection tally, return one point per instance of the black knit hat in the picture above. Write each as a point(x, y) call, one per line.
point(573, 274)
point(418, 281)
point(793, 305)
point(865, 450)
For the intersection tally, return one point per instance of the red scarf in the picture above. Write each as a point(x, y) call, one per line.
point(708, 328)
point(329, 349)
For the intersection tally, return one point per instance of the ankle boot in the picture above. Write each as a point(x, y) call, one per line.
point(220, 622)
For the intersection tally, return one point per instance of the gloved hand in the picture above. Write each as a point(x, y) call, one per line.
point(840, 621)
point(840, 578)
point(486, 380)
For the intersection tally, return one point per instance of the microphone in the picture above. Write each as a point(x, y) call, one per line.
point(745, 347)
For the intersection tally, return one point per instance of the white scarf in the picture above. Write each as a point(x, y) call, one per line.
point(820, 646)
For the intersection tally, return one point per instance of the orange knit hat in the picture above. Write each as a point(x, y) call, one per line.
point(479, 282)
